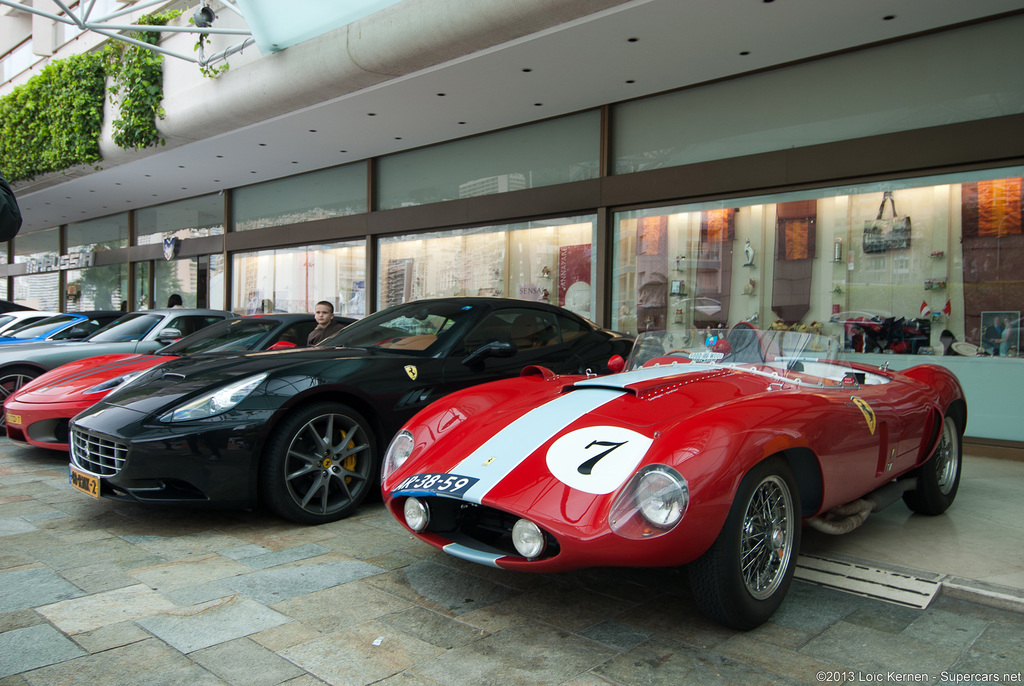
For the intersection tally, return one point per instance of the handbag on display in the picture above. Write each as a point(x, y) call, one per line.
point(884, 234)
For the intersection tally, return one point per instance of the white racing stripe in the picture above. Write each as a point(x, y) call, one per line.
point(506, 450)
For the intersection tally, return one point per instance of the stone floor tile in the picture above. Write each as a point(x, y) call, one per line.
point(111, 636)
point(188, 572)
point(870, 651)
point(37, 646)
point(441, 588)
point(246, 663)
point(11, 526)
point(34, 587)
point(568, 607)
point(19, 619)
point(282, 636)
point(100, 609)
point(219, 621)
point(99, 577)
point(280, 557)
point(433, 628)
point(616, 635)
point(341, 606)
point(362, 654)
point(274, 585)
point(789, 665)
point(148, 662)
point(663, 662)
point(529, 653)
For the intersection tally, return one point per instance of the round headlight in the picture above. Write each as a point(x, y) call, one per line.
point(398, 452)
point(528, 538)
point(662, 496)
point(417, 515)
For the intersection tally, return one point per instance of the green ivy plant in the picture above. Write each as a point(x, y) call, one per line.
point(137, 77)
point(54, 121)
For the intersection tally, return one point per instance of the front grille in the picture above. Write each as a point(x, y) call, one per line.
point(96, 454)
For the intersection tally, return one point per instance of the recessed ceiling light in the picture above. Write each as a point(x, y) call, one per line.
point(527, 70)
point(745, 53)
point(630, 80)
point(889, 17)
point(441, 95)
point(634, 40)
point(312, 130)
point(462, 123)
point(263, 145)
point(538, 104)
point(371, 114)
point(398, 138)
point(220, 157)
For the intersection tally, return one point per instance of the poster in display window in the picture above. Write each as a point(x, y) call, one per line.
point(1000, 333)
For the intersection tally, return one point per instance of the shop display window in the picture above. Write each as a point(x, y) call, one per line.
point(40, 288)
point(550, 261)
point(336, 192)
point(925, 266)
point(193, 218)
point(102, 287)
point(295, 279)
point(542, 154)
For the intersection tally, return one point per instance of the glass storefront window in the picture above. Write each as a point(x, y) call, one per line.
point(916, 266)
point(295, 279)
point(39, 289)
point(97, 288)
point(176, 277)
point(541, 154)
point(192, 218)
point(550, 261)
point(319, 195)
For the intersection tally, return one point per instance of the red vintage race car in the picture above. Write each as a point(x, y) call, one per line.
point(710, 450)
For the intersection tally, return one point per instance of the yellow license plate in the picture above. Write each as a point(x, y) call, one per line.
point(86, 483)
point(12, 418)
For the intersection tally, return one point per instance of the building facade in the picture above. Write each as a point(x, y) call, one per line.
point(874, 194)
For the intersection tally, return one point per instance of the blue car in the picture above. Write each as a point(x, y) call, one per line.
point(72, 326)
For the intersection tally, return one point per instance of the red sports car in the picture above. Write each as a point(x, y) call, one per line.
point(38, 413)
point(710, 451)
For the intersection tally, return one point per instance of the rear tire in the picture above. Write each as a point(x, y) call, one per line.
point(742, 578)
point(320, 464)
point(938, 479)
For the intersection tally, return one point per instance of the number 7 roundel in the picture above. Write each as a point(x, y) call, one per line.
point(597, 459)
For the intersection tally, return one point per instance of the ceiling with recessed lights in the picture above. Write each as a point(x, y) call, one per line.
point(623, 52)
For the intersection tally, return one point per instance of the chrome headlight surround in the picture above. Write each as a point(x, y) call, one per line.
point(652, 503)
point(215, 402)
point(397, 453)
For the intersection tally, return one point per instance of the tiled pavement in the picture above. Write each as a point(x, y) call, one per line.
point(104, 593)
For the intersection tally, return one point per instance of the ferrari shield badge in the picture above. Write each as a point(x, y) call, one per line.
point(865, 409)
point(411, 370)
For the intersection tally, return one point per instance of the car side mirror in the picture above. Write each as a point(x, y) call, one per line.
point(168, 335)
point(76, 333)
point(491, 349)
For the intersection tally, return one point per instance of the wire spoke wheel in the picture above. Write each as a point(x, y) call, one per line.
point(947, 457)
point(321, 464)
point(766, 543)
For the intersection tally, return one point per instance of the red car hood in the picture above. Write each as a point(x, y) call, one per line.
point(534, 438)
point(68, 381)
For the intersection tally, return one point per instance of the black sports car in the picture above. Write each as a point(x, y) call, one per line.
point(303, 430)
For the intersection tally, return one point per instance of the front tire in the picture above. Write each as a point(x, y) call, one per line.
point(939, 478)
point(10, 381)
point(742, 578)
point(320, 464)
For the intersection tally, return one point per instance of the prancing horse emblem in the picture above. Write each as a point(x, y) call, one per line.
point(410, 369)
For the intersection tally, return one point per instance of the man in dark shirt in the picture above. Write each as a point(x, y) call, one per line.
point(325, 324)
